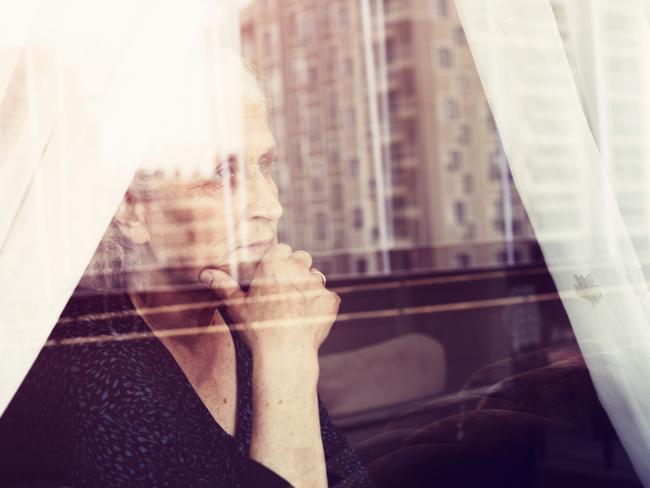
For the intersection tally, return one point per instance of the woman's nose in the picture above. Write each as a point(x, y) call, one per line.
point(262, 197)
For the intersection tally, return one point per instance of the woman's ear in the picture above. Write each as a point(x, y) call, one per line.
point(129, 218)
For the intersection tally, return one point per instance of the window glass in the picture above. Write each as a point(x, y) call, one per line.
point(412, 236)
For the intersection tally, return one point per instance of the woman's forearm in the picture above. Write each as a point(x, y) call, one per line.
point(284, 317)
point(286, 434)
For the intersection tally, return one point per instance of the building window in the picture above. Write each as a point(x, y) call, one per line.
point(313, 77)
point(332, 58)
point(444, 57)
point(450, 109)
point(391, 50)
point(499, 225)
point(321, 226)
point(408, 83)
point(269, 6)
point(305, 27)
point(463, 260)
point(325, 267)
point(299, 199)
point(357, 218)
point(396, 151)
point(400, 175)
point(393, 100)
point(410, 131)
point(314, 129)
point(395, 5)
point(331, 15)
point(354, 167)
point(464, 134)
point(399, 202)
point(300, 70)
point(317, 173)
point(404, 29)
point(295, 156)
point(317, 184)
point(400, 229)
point(362, 265)
point(459, 212)
point(334, 157)
point(337, 196)
point(396, 175)
point(468, 184)
point(339, 239)
point(441, 7)
point(344, 15)
point(292, 25)
point(455, 161)
point(350, 118)
point(459, 36)
point(332, 106)
point(342, 264)
point(491, 124)
point(462, 85)
point(348, 66)
point(495, 165)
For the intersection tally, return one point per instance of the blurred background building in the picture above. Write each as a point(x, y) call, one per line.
point(389, 156)
point(606, 53)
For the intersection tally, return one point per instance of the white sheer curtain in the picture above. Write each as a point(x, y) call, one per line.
point(84, 86)
point(560, 139)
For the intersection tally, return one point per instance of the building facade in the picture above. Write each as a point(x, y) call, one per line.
point(389, 156)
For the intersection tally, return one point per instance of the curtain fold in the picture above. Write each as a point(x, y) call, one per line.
point(559, 162)
point(84, 89)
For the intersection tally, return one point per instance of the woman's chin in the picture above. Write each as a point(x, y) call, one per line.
point(242, 271)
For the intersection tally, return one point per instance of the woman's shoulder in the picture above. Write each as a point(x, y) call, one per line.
point(107, 386)
point(94, 331)
point(94, 315)
point(98, 344)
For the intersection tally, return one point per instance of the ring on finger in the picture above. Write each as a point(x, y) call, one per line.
point(322, 276)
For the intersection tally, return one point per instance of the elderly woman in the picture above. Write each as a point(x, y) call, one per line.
point(200, 367)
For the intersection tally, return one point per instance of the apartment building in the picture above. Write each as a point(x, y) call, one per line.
point(390, 159)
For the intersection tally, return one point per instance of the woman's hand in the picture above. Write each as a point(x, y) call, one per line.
point(287, 308)
point(284, 317)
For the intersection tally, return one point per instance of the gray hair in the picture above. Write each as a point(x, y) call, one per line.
point(117, 260)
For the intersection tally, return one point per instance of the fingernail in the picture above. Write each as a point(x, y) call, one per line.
point(206, 277)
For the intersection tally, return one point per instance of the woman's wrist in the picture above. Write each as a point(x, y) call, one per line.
point(299, 364)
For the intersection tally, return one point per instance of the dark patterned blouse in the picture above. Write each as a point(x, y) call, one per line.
point(105, 404)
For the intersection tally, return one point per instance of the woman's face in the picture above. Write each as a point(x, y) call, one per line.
point(227, 220)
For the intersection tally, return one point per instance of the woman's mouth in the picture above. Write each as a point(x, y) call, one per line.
point(259, 246)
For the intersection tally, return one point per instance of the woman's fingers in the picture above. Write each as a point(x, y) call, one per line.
point(302, 257)
point(284, 290)
point(278, 252)
point(320, 275)
point(282, 266)
point(223, 285)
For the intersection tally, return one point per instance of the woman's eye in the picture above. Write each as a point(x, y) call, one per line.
point(265, 164)
point(224, 173)
point(216, 182)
